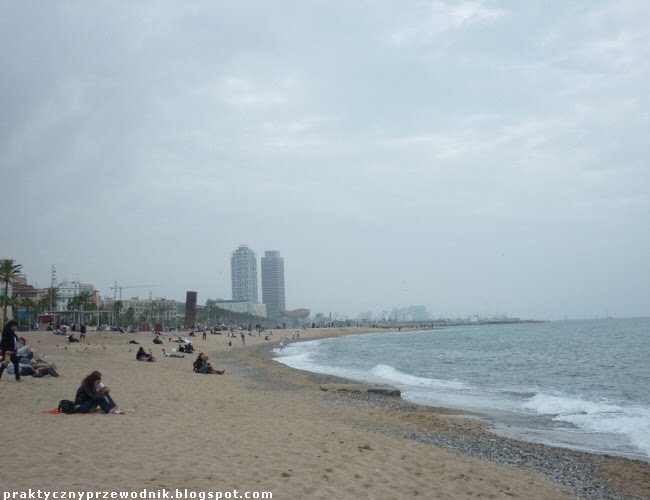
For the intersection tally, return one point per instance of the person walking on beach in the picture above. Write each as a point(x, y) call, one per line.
point(204, 333)
point(243, 338)
point(281, 343)
point(8, 348)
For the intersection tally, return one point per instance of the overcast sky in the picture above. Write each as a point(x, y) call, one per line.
point(474, 157)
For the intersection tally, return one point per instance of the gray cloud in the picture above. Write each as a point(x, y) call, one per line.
point(473, 156)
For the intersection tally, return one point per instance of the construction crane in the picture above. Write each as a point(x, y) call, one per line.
point(118, 289)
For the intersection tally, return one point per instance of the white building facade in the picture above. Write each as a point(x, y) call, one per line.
point(68, 290)
point(243, 263)
point(273, 283)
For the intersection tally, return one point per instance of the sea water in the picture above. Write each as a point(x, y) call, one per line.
point(578, 384)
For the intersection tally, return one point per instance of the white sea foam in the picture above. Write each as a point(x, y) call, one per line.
point(631, 421)
point(593, 417)
point(549, 404)
point(302, 359)
point(392, 375)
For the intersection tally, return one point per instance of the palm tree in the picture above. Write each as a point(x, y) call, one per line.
point(16, 304)
point(117, 307)
point(72, 305)
point(24, 303)
point(49, 301)
point(9, 271)
point(29, 305)
point(129, 316)
point(83, 299)
point(210, 306)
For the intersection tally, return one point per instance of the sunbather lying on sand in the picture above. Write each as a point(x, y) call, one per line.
point(173, 354)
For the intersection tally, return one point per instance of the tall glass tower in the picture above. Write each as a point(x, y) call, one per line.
point(273, 283)
point(243, 263)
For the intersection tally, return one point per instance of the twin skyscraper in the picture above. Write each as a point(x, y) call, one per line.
point(244, 279)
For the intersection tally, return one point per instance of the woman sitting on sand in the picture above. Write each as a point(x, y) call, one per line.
point(201, 365)
point(143, 356)
point(92, 393)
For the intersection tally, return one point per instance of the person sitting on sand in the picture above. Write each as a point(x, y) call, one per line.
point(71, 339)
point(25, 351)
point(92, 393)
point(201, 365)
point(157, 340)
point(143, 356)
point(189, 348)
point(8, 348)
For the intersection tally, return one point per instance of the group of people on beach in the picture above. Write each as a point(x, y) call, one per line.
point(14, 350)
point(20, 358)
point(92, 395)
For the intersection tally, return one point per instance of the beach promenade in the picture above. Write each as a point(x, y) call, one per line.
point(265, 427)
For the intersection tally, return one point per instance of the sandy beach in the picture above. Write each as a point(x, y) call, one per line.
point(265, 427)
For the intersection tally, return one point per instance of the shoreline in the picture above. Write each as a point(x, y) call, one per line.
point(266, 427)
point(590, 473)
point(491, 420)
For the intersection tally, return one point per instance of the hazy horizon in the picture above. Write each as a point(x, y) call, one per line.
point(474, 156)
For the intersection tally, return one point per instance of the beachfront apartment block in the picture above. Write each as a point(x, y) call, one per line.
point(68, 290)
point(155, 308)
point(273, 283)
point(244, 275)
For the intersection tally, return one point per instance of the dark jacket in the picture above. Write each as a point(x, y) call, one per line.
point(9, 341)
point(86, 394)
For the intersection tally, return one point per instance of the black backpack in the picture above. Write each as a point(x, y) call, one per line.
point(66, 406)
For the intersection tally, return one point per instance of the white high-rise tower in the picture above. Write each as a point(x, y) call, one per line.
point(273, 283)
point(244, 275)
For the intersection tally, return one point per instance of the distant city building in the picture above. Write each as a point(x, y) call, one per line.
point(273, 283)
point(68, 290)
point(244, 275)
point(365, 316)
point(156, 308)
point(246, 307)
point(23, 290)
point(411, 313)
